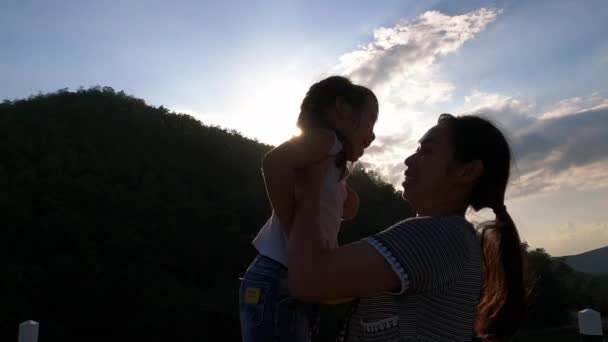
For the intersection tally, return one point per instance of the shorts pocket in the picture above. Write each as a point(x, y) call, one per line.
point(253, 296)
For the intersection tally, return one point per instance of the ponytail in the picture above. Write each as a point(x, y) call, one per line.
point(503, 302)
point(502, 307)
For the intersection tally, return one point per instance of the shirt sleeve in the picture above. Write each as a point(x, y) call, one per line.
point(425, 253)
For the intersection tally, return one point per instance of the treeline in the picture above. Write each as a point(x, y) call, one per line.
point(559, 292)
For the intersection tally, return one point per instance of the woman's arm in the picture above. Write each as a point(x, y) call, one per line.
point(279, 167)
point(316, 274)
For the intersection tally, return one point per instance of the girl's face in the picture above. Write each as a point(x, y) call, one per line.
point(361, 132)
point(428, 172)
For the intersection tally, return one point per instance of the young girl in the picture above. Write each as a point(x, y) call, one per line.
point(336, 120)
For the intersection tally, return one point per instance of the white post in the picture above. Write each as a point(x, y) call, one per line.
point(28, 331)
point(590, 325)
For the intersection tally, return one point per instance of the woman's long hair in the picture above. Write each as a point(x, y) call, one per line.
point(503, 301)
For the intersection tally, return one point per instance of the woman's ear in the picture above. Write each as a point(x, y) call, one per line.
point(471, 171)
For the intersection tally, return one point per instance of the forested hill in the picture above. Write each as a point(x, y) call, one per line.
point(125, 221)
point(595, 261)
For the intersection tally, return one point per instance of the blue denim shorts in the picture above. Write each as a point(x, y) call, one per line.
point(267, 312)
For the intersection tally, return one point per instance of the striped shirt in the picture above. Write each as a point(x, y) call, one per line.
point(439, 263)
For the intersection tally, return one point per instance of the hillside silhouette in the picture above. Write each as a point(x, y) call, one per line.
point(594, 261)
point(124, 221)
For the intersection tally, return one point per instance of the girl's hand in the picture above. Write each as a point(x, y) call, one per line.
point(351, 204)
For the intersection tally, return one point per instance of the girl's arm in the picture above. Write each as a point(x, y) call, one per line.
point(279, 167)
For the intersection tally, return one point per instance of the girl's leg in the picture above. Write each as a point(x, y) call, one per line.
point(295, 320)
point(257, 300)
point(267, 312)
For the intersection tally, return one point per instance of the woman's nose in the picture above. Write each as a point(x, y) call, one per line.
point(369, 140)
point(408, 161)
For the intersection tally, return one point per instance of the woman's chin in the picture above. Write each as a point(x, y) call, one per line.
point(408, 197)
point(407, 190)
point(407, 183)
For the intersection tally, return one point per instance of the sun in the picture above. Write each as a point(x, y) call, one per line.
point(269, 112)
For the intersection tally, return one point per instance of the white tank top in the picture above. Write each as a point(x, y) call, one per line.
point(272, 242)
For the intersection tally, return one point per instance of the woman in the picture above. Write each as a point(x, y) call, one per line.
point(432, 277)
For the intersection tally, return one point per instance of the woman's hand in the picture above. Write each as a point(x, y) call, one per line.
point(351, 204)
point(317, 273)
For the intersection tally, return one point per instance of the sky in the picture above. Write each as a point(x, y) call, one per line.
point(538, 69)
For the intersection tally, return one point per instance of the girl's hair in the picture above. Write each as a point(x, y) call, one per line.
point(322, 95)
point(503, 301)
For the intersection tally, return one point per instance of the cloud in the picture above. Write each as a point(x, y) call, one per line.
point(570, 238)
point(593, 176)
point(410, 48)
point(566, 151)
point(505, 111)
point(601, 56)
point(386, 155)
point(561, 146)
point(389, 143)
point(574, 139)
point(401, 65)
point(576, 104)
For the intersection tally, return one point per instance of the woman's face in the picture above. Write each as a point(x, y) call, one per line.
point(427, 175)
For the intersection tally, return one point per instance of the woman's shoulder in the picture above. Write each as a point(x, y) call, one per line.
point(435, 221)
point(433, 227)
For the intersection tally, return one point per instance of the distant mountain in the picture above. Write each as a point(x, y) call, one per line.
point(595, 261)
